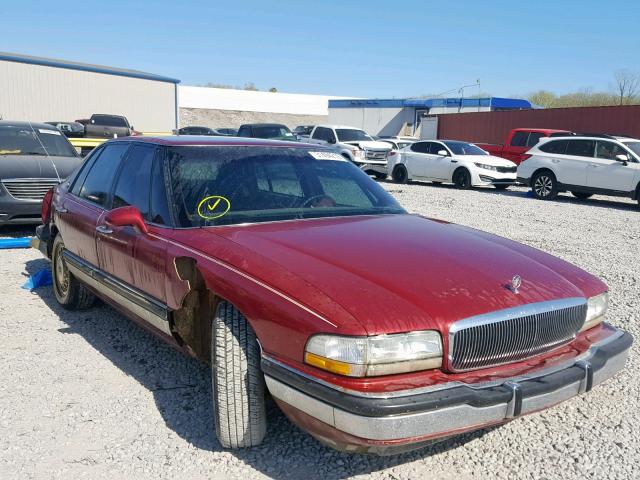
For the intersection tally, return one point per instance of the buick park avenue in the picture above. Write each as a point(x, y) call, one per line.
point(295, 275)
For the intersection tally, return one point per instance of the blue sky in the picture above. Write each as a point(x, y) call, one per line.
point(352, 48)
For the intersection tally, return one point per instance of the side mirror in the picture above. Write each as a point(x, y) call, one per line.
point(126, 217)
point(443, 153)
point(331, 141)
point(622, 158)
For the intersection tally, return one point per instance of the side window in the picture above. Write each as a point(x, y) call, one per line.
point(534, 138)
point(555, 146)
point(320, 133)
point(132, 186)
point(519, 139)
point(159, 204)
point(244, 132)
point(420, 147)
point(331, 137)
point(84, 170)
point(97, 184)
point(581, 148)
point(434, 148)
point(609, 150)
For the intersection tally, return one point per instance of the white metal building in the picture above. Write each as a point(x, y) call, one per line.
point(42, 89)
point(412, 116)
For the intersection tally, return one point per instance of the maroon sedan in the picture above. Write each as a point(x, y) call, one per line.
point(285, 266)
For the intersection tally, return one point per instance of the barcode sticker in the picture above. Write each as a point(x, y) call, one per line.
point(326, 156)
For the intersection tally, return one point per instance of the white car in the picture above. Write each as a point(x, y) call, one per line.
point(451, 161)
point(583, 165)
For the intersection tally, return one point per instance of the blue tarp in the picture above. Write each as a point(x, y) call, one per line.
point(23, 242)
point(41, 278)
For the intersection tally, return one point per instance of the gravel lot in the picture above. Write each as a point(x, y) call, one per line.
point(91, 395)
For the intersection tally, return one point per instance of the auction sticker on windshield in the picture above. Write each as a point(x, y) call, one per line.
point(214, 206)
point(327, 156)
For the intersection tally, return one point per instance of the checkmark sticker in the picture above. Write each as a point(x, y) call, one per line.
point(213, 206)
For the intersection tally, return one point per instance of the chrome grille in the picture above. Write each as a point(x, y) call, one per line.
point(376, 155)
point(29, 189)
point(514, 334)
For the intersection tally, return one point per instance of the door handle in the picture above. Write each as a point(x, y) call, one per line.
point(104, 230)
point(454, 161)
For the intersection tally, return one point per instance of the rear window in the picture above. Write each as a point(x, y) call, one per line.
point(272, 131)
point(29, 140)
point(519, 139)
point(555, 146)
point(108, 121)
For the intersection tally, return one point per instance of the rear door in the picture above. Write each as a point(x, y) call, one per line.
point(416, 159)
point(132, 257)
point(604, 171)
point(79, 210)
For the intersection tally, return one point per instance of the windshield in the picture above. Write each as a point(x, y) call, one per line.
point(463, 148)
point(25, 140)
point(272, 131)
point(232, 185)
point(634, 147)
point(351, 135)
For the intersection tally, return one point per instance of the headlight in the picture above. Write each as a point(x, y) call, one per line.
point(377, 355)
point(486, 167)
point(596, 309)
point(357, 153)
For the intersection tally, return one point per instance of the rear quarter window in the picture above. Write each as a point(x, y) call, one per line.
point(554, 146)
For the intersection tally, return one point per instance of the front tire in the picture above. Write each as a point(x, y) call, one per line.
point(238, 384)
point(544, 185)
point(462, 179)
point(69, 292)
point(582, 195)
point(400, 174)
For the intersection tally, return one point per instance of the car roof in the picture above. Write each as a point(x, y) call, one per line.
point(339, 126)
point(263, 125)
point(589, 137)
point(203, 140)
point(28, 124)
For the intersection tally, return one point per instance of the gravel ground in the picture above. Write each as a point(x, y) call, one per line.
point(91, 395)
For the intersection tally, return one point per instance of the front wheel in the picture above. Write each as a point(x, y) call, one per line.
point(582, 195)
point(69, 292)
point(544, 185)
point(239, 411)
point(462, 179)
point(400, 174)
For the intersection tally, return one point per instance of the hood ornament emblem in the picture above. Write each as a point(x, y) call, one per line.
point(516, 283)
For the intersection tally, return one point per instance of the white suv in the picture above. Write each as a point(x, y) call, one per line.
point(583, 165)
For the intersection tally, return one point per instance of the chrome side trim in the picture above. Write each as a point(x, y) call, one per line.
point(144, 306)
point(583, 357)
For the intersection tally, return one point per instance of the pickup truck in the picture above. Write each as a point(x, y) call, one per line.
point(355, 145)
point(107, 126)
point(519, 141)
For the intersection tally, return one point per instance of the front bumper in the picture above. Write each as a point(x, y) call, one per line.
point(42, 241)
point(525, 181)
point(366, 422)
point(494, 178)
point(19, 212)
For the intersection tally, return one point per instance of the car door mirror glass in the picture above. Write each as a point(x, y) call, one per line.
point(126, 217)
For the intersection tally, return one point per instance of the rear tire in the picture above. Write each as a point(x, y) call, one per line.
point(400, 174)
point(544, 185)
point(238, 384)
point(582, 195)
point(462, 179)
point(69, 292)
point(501, 187)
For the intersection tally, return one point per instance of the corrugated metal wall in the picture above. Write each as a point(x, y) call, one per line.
point(41, 93)
point(492, 127)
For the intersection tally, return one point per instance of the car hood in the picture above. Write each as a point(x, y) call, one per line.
point(37, 166)
point(370, 145)
point(397, 273)
point(488, 160)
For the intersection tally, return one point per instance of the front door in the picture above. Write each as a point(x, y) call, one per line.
point(134, 260)
point(606, 172)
